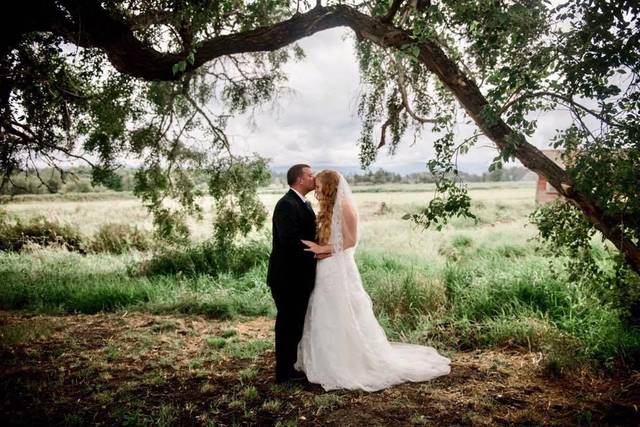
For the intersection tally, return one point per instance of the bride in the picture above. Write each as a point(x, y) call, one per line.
point(343, 345)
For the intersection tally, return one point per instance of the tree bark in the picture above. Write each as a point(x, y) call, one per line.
point(131, 56)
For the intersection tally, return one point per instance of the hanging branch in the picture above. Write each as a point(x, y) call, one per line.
point(219, 133)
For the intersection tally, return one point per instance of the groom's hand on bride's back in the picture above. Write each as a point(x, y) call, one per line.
point(322, 256)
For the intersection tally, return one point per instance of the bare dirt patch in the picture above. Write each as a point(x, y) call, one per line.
point(140, 369)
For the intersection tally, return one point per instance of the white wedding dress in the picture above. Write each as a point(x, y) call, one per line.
point(343, 345)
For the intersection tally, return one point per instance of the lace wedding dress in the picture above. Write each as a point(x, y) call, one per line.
point(343, 345)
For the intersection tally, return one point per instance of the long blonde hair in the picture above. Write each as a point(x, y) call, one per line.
point(329, 180)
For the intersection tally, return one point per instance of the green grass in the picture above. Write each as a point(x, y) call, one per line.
point(470, 302)
point(327, 401)
point(247, 349)
point(272, 405)
point(228, 333)
point(474, 285)
point(215, 342)
point(247, 374)
point(475, 300)
point(52, 281)
point(249, 393)
point(498, 294)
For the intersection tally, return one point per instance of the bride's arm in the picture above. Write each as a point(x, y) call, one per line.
point(318, 249)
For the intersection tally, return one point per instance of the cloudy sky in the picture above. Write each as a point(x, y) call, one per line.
point(318, 124)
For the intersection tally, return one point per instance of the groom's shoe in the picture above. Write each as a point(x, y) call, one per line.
point(295, 377)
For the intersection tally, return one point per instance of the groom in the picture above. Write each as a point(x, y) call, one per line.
point(292, 270)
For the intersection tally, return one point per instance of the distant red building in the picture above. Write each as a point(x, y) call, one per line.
point(545, 192)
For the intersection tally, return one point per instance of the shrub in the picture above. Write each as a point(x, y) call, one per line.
point(118, 238)
point(208, 258)
point(15, 235)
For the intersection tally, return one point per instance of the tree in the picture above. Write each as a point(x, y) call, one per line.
point(420, 61)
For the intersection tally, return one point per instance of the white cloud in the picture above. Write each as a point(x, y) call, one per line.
point(318, 124)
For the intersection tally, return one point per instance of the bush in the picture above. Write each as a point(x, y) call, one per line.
point(112, 238)
point(208, 258)
point(118, 238)
point(39, 230)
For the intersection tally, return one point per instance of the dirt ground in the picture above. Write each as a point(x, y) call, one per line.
point(141, 369)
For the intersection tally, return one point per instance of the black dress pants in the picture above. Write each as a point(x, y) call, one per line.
point(292, 307)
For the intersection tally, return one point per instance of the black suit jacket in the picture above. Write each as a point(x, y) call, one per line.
point(292, 268)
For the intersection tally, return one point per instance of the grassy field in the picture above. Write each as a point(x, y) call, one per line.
point(89, 211)
point(170, 342)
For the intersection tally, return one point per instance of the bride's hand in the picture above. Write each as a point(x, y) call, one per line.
point(312, 247)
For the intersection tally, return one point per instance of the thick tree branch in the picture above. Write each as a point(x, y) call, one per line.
point(133, 57)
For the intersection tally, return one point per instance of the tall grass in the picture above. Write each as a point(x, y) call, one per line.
point(472, 302)
point(65, 282)
point(118, 238)
point(17, 235)
point(496, 294)
point(14, 235)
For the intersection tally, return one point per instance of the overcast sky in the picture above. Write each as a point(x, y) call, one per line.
point(318, 124)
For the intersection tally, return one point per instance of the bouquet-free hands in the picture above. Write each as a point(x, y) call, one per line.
point(319, 251)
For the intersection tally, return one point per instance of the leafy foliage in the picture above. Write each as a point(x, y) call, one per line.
point(235, 190)
point(71, 102)
point(564, 230)
point(526, 57)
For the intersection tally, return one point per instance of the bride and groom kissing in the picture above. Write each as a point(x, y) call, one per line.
point(326, 331)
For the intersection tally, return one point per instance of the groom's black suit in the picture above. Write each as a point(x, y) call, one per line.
point(291, 276)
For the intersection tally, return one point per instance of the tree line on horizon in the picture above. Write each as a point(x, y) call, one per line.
point(79, 179)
